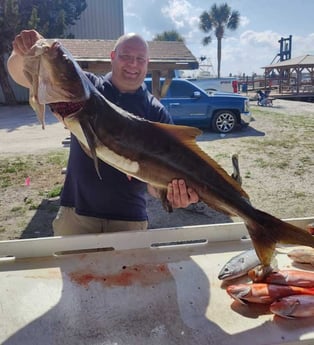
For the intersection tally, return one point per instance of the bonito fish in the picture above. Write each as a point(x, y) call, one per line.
point(152, 152)
point(239, 265)
point(296, 306)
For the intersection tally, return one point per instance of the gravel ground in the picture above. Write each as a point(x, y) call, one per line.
point(276, 161)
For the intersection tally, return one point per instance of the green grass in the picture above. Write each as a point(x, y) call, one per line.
point(14, 170)
point(220, 156)
point(46, 181)
point(55, 191)
point(284, 148)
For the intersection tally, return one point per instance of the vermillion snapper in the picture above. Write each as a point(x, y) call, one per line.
point(295, 306)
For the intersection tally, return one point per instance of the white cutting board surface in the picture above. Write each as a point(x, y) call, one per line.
point(145, 295)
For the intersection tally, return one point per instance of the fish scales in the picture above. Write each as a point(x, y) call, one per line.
point(153, 152)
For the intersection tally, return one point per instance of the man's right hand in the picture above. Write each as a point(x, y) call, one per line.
point(24, 41)
point(22, 44)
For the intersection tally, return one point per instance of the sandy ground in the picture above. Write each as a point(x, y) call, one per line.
point(21, 132)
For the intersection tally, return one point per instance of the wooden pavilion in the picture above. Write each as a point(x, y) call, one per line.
point(165, 57)
point(291, 79)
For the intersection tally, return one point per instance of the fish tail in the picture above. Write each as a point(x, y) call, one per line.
point(266, 231)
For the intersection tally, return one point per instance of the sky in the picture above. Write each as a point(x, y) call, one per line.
point(253, 45)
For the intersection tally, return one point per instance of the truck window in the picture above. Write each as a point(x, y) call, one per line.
point(181, 89)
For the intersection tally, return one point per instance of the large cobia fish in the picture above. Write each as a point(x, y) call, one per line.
point(152, 152)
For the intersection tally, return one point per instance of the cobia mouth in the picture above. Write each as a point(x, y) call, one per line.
point(66, 108)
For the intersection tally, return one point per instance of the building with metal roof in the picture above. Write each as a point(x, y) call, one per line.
point(102, 19)
point(165, 57)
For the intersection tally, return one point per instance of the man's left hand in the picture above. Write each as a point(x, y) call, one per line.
point(179, 195)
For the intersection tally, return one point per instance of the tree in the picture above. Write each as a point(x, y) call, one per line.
point(8, 9)
point(50, 17)
point(172, 35)
point(218, 19)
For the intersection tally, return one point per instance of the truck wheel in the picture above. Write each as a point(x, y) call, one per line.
point(224, 121)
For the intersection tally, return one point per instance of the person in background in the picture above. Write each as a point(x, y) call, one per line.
point(235, 86)
point(115, 202)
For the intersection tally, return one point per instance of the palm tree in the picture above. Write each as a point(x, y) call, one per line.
point(218, 19)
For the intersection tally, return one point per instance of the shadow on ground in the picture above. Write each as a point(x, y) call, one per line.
point(196, 214)
point(14, 117)
point(41, 223)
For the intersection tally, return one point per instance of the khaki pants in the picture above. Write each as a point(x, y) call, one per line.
point(68, 222)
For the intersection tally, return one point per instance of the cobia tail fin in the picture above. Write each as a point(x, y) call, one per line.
point(266, 231)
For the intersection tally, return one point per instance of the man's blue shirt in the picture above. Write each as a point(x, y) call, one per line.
point(114, 196)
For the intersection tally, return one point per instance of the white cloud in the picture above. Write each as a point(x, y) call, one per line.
point(178, 11)
point(244, 50)
point(244, 21)
point(264, 38)
point(302, 45)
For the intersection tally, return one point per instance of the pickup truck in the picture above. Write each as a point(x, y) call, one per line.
point(192, 106)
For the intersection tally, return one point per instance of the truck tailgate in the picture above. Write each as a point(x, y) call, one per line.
point(154, 287)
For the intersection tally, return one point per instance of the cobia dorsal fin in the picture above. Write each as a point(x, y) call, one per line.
point(187, 136)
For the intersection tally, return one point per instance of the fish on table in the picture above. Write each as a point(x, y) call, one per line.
point(239, 265)
point(155, 153)
point(310, 228)
point(302, 255)
point(295, 306)
point(264, 293)
point(291, 277)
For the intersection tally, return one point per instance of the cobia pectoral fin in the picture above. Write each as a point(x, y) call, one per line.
point(91, 139)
